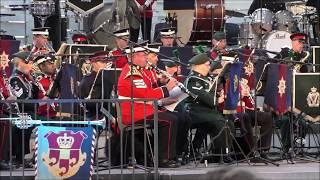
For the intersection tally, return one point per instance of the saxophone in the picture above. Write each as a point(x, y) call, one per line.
point(298, 66)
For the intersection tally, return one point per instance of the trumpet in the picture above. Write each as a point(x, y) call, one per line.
point(179, 84)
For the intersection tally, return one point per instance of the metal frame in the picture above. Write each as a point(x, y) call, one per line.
point(81, 11)
point(295, 109)
point(314, 56)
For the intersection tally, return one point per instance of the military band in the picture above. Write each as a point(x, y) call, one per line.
point(35, 75)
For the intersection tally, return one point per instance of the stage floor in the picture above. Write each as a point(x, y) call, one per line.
point(302, 170)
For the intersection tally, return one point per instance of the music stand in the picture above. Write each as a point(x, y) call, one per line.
point(184, 52)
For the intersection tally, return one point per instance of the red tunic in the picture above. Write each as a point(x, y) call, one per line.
point(121, 60)
point(44, 109)
point(141, 89)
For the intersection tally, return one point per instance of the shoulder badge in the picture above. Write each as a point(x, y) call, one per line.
point(134, 71)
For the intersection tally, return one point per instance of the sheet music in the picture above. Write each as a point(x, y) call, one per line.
point(171, 107)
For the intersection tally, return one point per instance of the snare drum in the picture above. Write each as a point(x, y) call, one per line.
point(42, 8)
point(262, 20)
point(277, 40)
point(284, 21)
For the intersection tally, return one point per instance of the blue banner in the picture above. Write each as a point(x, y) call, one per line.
point(278, 88)
point(64, 152)
point(232, 92)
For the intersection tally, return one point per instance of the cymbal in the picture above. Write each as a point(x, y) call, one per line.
point(234, 13)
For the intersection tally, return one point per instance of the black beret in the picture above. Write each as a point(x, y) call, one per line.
point(199, 59)
point(22, 55)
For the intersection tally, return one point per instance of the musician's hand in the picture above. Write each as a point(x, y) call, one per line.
point(171, 84)
point(168, 101)
point(141, 8)
point(11, 98)
point(163, 79)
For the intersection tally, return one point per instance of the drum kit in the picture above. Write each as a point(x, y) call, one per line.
point(265, 29)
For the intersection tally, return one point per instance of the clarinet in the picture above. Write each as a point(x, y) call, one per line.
point(179, 84)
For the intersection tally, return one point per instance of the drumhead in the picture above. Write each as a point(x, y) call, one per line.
point(277, 40)
point(185, 24)
point(103, 36)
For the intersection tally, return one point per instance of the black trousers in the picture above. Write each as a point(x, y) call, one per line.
point(209, 122)
point(4, 140)
point(264, 119)
point(283, 122)
point(134, 33)
point(183, 126)
point(21, 143)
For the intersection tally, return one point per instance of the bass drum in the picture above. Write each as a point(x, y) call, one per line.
point(277, 40)
point(105, 19)
point(195, 26)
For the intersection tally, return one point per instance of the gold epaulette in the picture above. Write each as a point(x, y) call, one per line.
point(135, 72)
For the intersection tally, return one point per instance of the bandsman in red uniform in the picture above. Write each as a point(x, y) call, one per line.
point(40, 42)
point(45, 81)
point(183, 122)
point(122, 43)
point(136, 80)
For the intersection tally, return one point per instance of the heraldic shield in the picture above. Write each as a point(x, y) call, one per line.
point(306, 95)
point(64, 152)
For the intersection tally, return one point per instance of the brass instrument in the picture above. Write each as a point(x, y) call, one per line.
point(39, 85)
point(298, 66)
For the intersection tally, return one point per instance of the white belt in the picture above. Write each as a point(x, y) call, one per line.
point(144, 102)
